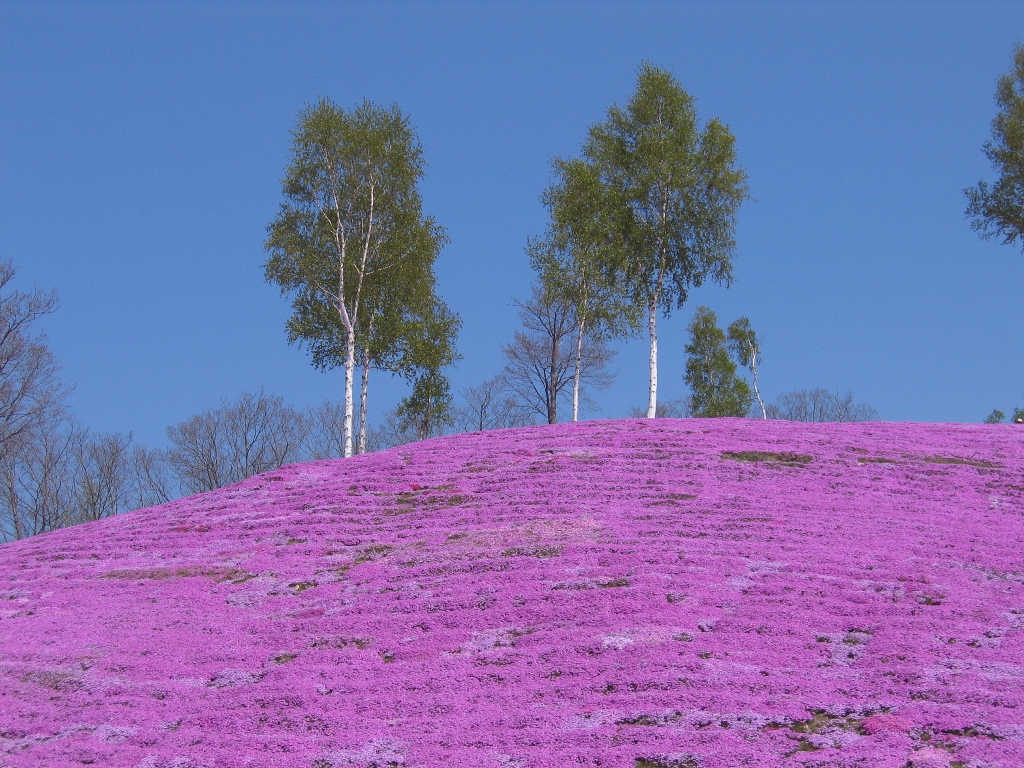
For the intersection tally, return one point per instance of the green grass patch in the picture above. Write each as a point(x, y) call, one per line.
point(233, 575)
point(967, 462)
point(785, 458)
point(542, 551)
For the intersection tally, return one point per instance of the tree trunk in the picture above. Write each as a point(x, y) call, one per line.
point(652, 318)
point(553, 388)
point(364, 389)
point(576, 374)
point(757, 392)
point(350, 371)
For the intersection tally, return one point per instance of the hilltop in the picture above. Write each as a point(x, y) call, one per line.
point(644, 594)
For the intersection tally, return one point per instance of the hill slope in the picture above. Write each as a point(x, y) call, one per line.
point(690, 593)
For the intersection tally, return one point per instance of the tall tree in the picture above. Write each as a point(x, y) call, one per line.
point(408, 329)
point(711, 372)
point(663, 197)
point(997, 210)
point(746, 348)
point(352, 217)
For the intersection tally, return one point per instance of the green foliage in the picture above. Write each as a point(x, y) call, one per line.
point(995, 417)
point(571, 263)
point(743, 343)
point(997, 210)
point(711, 373)
point(746, 350)
point(427, 409)
point(350, 240)
point(427, 346)
point(662, 195)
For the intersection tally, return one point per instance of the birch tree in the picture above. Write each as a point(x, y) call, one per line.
point(997, 210)
point(404, 324)
point(352, 215)
point(746, 348)
point(664, 201)
point(570, 264)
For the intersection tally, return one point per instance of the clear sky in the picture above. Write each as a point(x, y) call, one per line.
point(142, 146)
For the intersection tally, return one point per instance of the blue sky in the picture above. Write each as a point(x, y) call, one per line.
point(142, 146)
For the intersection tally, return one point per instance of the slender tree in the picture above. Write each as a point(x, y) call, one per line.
point(572, 267)
point(663, 197)
point(405, 324)
point(352, 217)
point(427, 346)
point(997, 210)
point(745, 347)
point(710, 371)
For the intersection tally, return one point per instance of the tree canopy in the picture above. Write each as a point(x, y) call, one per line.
point(997, 209)
point(711, 372)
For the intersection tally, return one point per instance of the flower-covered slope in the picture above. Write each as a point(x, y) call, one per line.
point(644, 594)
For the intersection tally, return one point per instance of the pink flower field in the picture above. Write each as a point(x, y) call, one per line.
point(634, 594)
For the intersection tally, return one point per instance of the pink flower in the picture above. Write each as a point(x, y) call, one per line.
point(890, 723)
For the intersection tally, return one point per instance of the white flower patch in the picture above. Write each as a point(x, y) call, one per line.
point(113, 734)
point(617, 641)
point(378, 752)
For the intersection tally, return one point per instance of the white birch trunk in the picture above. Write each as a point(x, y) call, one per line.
point(364, 389)
point(350, 371)
point(652, 318)
point(576, 375)
point(757, 393)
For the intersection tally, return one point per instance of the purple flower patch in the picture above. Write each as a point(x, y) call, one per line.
point(618, 594)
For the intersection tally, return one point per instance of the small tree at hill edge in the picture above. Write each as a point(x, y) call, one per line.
point(711, 372)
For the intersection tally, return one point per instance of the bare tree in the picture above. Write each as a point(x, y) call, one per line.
point(490, 405)
point(819, 405)
point(541, 360)
point(31, 394)
point(256, 433)
point(36, 485)
point(325, 431)
point(102, 476)
point(666, 409)
point(153, 482)
point(393, 430)
point(54, 473)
